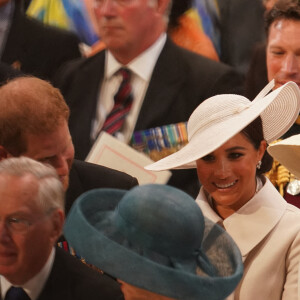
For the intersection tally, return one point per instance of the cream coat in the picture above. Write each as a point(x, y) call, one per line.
point(267, 232)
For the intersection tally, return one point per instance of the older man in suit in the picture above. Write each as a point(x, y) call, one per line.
point(29, 45)
point(167, 82)
point(34, 123)
point(32, 217)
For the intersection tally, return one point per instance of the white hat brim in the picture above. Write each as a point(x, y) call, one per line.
point(278, 110)
point(287, 152)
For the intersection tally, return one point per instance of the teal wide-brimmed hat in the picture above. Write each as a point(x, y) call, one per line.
point(155, 237)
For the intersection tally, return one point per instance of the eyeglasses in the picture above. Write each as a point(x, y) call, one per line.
point(100, 3)
point(21, 225)
point(17, 224)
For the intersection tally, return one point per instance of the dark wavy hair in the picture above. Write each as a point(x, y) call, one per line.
point(282, 9)
point(254, 133)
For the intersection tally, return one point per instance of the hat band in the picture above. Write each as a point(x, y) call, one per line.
point(217, 117)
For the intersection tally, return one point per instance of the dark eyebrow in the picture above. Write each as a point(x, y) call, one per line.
point(235, 148)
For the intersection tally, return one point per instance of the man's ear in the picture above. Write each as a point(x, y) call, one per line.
point(58, 218)
point(4, 153)
point(162, 6)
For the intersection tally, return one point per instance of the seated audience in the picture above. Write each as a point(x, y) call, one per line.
point(34, 123)
point(168, 253)
point(164, 82)
point(30, 46)
point(32, 217)
point(228, 137)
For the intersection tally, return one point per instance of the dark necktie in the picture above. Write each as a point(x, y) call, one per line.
point(16, 293)
point(123, 102)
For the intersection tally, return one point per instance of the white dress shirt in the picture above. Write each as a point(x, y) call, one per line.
point(141, 71)
point(34, 286)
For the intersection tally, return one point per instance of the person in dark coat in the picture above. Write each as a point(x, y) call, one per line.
point(168, 82)
point(32, 217)
point(32, 47)
point(34, 123)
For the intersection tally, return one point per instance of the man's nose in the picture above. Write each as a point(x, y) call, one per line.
point(4, 232)
point(290, 64)
point(62, 166)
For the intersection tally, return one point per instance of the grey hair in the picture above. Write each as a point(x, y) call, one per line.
point(153, 3)
point(50, 191)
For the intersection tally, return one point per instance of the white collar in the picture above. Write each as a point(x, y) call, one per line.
point(253, 221)
point(34, 286)
point(142, 65)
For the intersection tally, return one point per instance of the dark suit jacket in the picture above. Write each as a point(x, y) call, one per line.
point(257, 75)
point(38, 49)
point(7, 72)
point(181, 80)
point(241, 28)
point(85, 176)
point(70, 279)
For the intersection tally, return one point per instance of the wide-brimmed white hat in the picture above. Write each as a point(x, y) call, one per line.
point(219, 118)
point(287, 152)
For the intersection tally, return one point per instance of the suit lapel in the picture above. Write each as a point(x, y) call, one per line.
point(164, 87)
point(14, 43)
point(75, 187)
point(57, 286)
point(88, 78)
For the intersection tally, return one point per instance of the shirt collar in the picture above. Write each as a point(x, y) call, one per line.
point(252, 222)
point(34, 286)
point(142, 65)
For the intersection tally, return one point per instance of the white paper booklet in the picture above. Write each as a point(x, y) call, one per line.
point(110, 152)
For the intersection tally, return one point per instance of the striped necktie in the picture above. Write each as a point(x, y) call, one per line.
point(123, 102)
point(16, 293)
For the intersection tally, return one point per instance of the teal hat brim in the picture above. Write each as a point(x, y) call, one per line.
point(90, 231)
